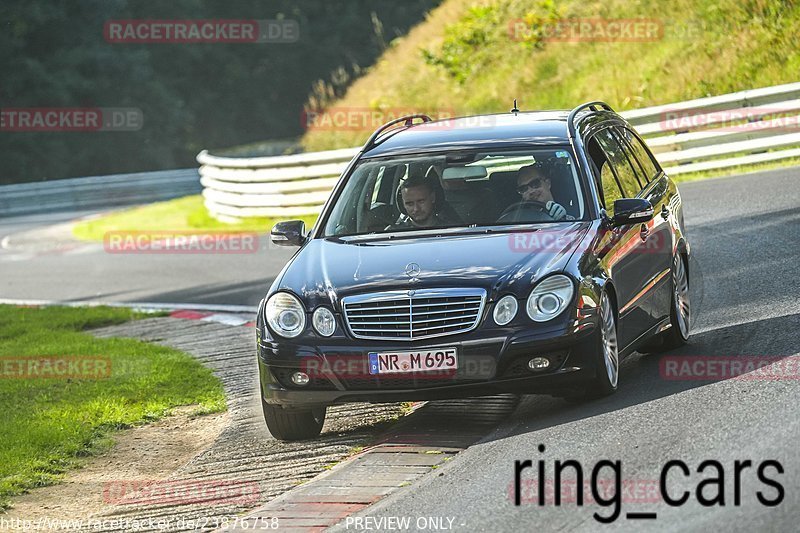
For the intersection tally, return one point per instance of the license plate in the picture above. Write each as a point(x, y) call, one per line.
point(416, 361)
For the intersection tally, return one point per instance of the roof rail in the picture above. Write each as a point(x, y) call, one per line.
point(591, 106)
point(408, 120)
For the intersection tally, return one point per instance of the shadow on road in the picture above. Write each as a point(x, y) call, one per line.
point(641, 380)
point(241, 293)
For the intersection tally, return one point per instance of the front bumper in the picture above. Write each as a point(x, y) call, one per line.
point(490, 361)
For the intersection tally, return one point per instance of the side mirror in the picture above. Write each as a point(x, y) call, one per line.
point(289, 233)
point(631, 211)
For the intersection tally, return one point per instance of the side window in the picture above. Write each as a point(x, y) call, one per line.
point(611, 191)
point(377, 189)
point(642, 154)
point(619, 161)
point(621, 134)
point(604, 176)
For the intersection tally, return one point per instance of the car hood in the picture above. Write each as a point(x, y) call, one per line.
point(328, 269)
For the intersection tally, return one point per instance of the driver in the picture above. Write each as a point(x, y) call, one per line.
point(534, 186)
point(419, 203)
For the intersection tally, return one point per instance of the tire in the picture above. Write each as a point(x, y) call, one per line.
point(680, 312)
point(293, 424)
point(606, 356)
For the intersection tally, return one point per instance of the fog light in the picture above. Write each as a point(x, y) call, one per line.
point(505, 310)
point(538, 363)
point(300, 378)
point(324, 322)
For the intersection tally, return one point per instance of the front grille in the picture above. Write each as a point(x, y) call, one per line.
point(413, 315)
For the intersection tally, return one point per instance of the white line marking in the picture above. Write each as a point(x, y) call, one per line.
point(16, 257)
point(138, 306)
point(230, 320)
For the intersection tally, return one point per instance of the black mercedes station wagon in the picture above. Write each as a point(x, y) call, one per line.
point(526, 252)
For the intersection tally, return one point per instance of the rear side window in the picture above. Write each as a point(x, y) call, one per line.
point(604, 176)
point(626, 175)
point(641, 153)
point(611, 191)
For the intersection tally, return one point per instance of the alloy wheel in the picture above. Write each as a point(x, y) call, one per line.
point(680, 284)
point(608, 332)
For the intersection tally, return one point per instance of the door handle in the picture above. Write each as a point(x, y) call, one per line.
point(665, 212)
point(644, 232)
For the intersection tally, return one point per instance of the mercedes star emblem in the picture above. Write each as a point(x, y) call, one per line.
point(412, 271)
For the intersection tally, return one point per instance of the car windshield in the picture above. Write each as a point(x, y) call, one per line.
point(463, 189)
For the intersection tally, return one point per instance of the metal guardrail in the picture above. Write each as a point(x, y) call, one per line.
point(97, 191)
point(291, 185)
point(695, 135)
point(691, 136)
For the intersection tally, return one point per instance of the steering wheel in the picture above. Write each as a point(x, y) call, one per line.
point(526, 211)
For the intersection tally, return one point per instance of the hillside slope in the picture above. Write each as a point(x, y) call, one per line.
point(473, 57)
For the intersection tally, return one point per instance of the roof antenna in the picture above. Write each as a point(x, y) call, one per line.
point(516, 109)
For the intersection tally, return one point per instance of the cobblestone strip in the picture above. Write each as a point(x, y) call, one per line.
point(244, 453)
point(418, 444)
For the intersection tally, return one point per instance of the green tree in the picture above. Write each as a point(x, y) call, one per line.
point(192, 96)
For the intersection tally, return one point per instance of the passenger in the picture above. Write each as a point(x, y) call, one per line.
point(534, 186)
point(419, 204)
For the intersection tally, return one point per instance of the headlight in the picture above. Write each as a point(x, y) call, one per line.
point(285, 315)
point(550, 297)
point(324, 322)
point(505, 310)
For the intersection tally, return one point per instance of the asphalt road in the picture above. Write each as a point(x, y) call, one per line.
point(67, 271)
point(745, 234)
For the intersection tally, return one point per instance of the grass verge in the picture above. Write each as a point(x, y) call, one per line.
point(476, 56)
point(50, 423)
point(187, 214)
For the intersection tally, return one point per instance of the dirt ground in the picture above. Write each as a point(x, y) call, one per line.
point(147, 453)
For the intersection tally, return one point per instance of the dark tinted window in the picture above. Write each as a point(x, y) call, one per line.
point(619, 160)
point(621, 134)
point(641, 153)
point(457, 190)
point(604, 176)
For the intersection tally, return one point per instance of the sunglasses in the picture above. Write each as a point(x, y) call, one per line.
point(533, 184)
